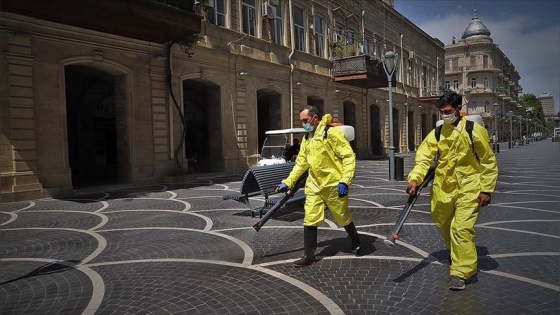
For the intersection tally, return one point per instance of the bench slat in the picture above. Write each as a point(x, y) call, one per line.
point(262, 180)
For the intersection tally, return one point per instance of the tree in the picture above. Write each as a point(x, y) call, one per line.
point(530, 101)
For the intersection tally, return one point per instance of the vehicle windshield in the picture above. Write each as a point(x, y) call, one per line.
point(274, 146)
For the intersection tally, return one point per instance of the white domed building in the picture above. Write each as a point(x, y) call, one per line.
point(476, 67)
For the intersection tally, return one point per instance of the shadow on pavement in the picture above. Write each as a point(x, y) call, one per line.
point(342, 245)
point(485, 262)
point(129, 193)
point(50, 268)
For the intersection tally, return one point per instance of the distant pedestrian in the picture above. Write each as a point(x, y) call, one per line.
point(331, 163)
point(465, 178)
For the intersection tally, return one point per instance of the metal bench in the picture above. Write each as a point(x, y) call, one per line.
point(261, 181)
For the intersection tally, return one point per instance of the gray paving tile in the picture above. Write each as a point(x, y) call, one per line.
point(153, 259)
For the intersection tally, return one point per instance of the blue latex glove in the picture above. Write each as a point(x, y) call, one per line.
point(281, 188)
point(342, 190)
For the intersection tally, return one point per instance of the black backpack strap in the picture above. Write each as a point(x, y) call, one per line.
point(327, 127)
point(470, 127)
point(438, 132)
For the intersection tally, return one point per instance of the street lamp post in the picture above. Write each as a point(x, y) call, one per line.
point(511, 128)
point(390, 65)
point(520, 126)
point(529, 112)
point(528, 121)
point(496, 120)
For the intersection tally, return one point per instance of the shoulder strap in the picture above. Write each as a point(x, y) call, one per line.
point(327, 127)
point(470, 127)
point(438, 132)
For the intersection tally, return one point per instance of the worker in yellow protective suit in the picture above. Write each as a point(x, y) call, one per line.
point(331, 163)
point(465, 178)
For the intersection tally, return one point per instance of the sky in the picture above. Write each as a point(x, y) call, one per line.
point(527, 31)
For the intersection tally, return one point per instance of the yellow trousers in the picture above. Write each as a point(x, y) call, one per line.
point(455, 216)
point(315, 204)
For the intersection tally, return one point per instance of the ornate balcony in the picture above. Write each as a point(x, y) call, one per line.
point(141, 19)
point(454, 70)
point(481, 90)
point(431, 94)
point(360, 71)
point(474, 69)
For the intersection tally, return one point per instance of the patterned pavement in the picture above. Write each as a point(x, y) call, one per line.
point(181, 249)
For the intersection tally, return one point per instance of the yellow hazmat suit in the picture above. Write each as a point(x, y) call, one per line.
point(460, 177)
point(329, 161)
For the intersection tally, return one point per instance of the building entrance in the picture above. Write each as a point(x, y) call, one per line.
point(91, 126)
point(269, 103)
point(410, 132)
point(376, 143)
point(350, 119)
point(203, 126)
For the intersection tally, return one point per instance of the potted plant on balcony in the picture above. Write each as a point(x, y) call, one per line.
point(341, 49)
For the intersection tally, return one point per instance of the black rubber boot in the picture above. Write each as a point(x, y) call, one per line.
point(355, 237)
point(309, 247)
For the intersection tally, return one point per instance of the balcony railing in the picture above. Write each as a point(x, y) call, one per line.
point(361, 71)
point(144, 20)
point(478, 68)
point(454, 70)
point(480, 90)
point(432, 91)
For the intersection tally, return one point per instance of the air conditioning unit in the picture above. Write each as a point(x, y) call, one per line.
point(410, 55)
point(268, 11)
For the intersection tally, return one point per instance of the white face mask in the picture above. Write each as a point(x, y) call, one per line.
point(449, 119)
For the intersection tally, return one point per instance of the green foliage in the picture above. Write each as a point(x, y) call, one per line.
point(190, 41)
point(341, 49)
point(551, 124)
point(530, 100)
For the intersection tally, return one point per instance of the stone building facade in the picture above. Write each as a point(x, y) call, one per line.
point(476, 67)
point(547, 102)
point(85, 105)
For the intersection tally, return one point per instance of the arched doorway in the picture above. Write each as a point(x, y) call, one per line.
point(349, 109)
point(376, 142)
point(425, 129)
point(203, 121)
point(269, 116)
point(410, 132)
point(91, 120)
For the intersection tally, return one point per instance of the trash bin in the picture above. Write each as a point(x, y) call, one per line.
point(399, 168)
